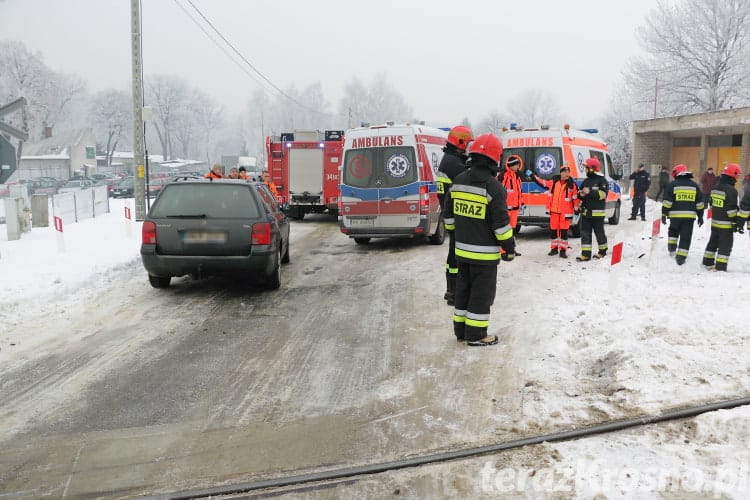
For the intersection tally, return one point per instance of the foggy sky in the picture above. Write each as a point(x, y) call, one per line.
point(449, 60)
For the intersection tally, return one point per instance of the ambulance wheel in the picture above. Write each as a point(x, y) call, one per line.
point(438, 237)
point(362, 241)
point(575, 231)
point(615, 219)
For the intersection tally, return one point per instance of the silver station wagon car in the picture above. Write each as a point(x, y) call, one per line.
point(204, 227)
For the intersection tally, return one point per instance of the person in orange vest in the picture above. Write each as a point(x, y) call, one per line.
point(215, 172)
point(511, 181)
point(243, 173)
point(562, 204)
point(266, 178)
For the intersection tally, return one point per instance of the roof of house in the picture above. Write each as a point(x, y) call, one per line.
point(57, 146)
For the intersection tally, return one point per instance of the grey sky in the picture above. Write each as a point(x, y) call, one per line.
point(448, 59)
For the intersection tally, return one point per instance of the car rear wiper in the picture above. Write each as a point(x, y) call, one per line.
point(187, 216)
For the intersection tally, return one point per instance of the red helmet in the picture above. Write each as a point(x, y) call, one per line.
point(679, 170)
point(732, 170)
point(593, 164)
point(488, 145)
point(460, 137)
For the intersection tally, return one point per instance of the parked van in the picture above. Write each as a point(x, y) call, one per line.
point(543, 151)
point(388, 186)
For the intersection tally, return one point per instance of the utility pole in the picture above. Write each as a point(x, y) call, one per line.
point(656, 94)
point(138, 136)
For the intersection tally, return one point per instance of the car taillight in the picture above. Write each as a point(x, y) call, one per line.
point(261, 234)
point(148, 233)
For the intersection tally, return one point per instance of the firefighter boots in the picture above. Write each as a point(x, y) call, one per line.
point(450, 289)
point(563, 254)
point(553, 251)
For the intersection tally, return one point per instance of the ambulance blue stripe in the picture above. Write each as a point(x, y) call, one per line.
point(371, 193)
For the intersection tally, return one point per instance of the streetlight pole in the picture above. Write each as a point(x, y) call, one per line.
point(138, 136)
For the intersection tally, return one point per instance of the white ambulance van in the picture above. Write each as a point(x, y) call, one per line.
point(388, 186)
point(543, 151)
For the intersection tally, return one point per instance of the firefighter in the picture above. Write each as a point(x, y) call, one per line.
point(511, 181)
point(452, 164)
point(562, 203)
point(478, 211)
point(724, 220)
point(744, 212)
point(683, 204)
point(215, 172)
point(593, 196)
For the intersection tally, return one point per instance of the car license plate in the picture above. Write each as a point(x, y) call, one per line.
point(203, 237)
point(361, 221)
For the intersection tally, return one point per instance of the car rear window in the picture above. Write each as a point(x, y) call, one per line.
point(205, 200)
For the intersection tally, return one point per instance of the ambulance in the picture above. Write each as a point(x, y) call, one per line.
point(543, 151)
point(388, 186)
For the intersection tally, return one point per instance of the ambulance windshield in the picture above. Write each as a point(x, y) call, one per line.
point(544, 162)
point(379, 167)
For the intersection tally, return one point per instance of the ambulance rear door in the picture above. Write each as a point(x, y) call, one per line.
point(380, 183)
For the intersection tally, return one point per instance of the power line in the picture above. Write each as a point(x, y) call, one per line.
point(221, 47)
point(248, 63)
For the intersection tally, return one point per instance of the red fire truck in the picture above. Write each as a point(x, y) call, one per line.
point(304, 165)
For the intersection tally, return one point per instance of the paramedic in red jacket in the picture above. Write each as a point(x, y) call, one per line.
point(477, 210)
point(511, 181)
point(562, 203)
point(452, 164)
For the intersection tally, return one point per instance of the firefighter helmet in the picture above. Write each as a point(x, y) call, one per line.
point(460, 136)
point(732, 170)
point(593, 164)
point(679, 170)
point(488, 145)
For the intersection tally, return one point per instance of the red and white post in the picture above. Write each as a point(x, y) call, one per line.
point(59, 229)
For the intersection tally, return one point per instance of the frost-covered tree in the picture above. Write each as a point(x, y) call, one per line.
point(492, 123)
point(111, 114)
point(697, 57)
point(534, 107)
point(168, 97)
point(209, 116)
point(48, 94)
point(377, 103)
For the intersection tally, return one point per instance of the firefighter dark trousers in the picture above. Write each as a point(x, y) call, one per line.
point(475, 293)
point(595, 224)
point(679, 236)
point(719, 248)
point(451, 266)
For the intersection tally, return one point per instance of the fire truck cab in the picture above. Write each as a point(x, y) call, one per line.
point(304, 166)
point(388, 186)
point(543, 151)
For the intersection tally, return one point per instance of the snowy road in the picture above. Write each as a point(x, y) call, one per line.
point(144, 390)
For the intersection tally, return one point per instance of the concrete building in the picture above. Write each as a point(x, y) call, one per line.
point(697, 141)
